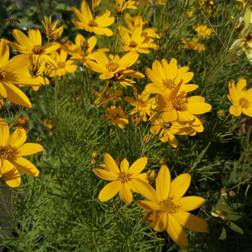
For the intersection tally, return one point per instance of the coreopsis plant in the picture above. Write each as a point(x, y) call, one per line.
point(117, 116)
point(122, 5)
point(123, 180)
point(14, 72)
point(63, 66)
point(32, 46)
point(168, 209)
point(52, 29)
point(203, 31)
point(115, 67)
point(240, 97)
point(13, 149)
point(90, 23)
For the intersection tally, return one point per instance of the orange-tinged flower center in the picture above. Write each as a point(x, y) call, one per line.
point(133, 44)
point(168, 206)
point(124, 177)
point(7, 152)
point(112, 66)
point(92, 23)
point(61, 64)
point(179, 103)
point(37, 49)
point(244, 103)
point(169, 83)
point(2, 74)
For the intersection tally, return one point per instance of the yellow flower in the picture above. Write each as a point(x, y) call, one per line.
point(12, 151)
point(167, 76)
point(63, 66)
point(95, 4)
point(117, 116)
point(136, 40)
point(83, 48)
point(164, 131)
point(122, 5)
point(203, 30)
point(13, 72)
point(143, 106)
point(89, 23)
point(31, 45)
point(240, 98)
point(114, 67)
point(124, 180)
point(48, 124)
point(168, 210)
point(193, 44)
point(52, 30)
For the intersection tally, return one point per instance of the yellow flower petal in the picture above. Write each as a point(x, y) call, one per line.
point(124, 166)
point(35, 36)
point(17, 138)
point(190, 203)
point(138, 166)
point(128, 59)
point(109, 191)
point(26, 166)
point(4, 52)
point(125, 193)
point(29, 149)
point(163, 181)
point(149, 205)
point(179, 186)
point(22, 39)
point(110, 164)
point(12, 178)
point(160, 224)
point(191, 222)
point(104, 174)
point(4, 133)
point(142, 187)
point(236, 111)
point(175, 231)
point(6, 166)
point(15, 95)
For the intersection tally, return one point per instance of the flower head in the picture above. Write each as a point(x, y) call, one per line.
point(52, 30)
point(124, 180)
point(86, 20)
point(12, 151)
point(240, 98)
point(122, 5)
point(203, 31)
point(117, 116)
point(168, 209)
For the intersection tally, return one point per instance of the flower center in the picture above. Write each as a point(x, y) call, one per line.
point(92, 23)
point(133, 44)
point(124, 177)
point(244, 103)
point(112, 66)
point(7, 152)
point(166, 125)
point(179, 103)
point(2, 74)
point(169, 83)
point(168, 206)
point(61, 64)
point(37, 49)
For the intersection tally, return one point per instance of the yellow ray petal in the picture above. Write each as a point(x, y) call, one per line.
point(125, 193)
point(104, 174)
point(29, 149)
point(128, 59)
point(179, 186)
point(110, 164)
point(160, 224)
point(109, 191)
point(163, 181)
point(190, 203)
point(124, 166)
point(12, 178)
point(22, 39)
point(26, 166)
point(17, 96)
point(149, 205)
point(17, 138)
point(191, 222)
point(175, 231)
point(4, 134)
point(4, 52)
point(35, 36)
point(138, 165)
